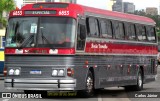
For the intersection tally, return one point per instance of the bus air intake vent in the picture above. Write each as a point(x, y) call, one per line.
point(52, 5)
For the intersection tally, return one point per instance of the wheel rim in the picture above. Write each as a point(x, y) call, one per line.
point(139, 80)
point(89, 84)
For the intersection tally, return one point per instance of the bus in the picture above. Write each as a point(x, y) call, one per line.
point(2, 45)
point(71, 47)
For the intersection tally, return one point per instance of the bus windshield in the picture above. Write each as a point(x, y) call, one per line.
point(52, 32)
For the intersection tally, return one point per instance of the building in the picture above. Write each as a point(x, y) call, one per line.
point(128, 7)
point(152, 10)
point(109, 5)
point(71, 1)
point(118, 6)
point(125, 7)
point(31, 1)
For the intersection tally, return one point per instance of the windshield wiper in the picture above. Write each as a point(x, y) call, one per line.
point(30, 38)
point(44, 38)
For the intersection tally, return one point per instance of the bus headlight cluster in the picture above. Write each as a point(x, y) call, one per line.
point(15, 71)
point(58, 72)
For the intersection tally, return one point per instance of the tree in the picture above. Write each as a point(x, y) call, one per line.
point(5, 5)
point(140, 12)
point(156, 18)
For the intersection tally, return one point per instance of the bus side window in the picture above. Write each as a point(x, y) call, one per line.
point(81, 37)
point(127, 28)
point(106, 29)
point(144, 37)
point(118, 29)
point(132, 36)
point(151, 34)
point(141, 33)
point(138, 31)
point(93, 27)
point(130, 31)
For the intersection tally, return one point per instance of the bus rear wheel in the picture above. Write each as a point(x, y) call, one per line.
point(139, 84)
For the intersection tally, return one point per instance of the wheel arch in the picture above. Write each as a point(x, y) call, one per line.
point(142, 69)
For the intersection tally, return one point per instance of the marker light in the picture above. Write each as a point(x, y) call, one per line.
point(17, 8)
point(5, 71)
point(41, 7)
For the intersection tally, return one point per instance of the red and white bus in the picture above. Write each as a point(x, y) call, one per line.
point(63, 46)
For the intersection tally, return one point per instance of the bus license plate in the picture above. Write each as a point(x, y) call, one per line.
point(35, 72)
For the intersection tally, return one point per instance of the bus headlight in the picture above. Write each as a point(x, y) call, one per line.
point(61, 72)
point(14, 71)
point(58, 72)
point(17, 72)
point(11, 72)
point(54, 72)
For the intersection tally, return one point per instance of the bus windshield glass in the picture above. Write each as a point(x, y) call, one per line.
point(52, 32)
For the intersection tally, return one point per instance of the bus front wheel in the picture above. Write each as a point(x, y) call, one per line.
point(89, 85)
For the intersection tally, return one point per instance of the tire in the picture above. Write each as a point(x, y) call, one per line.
point(139, 84)
point(89, 92)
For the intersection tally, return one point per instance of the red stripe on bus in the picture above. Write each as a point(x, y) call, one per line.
point(39, 51)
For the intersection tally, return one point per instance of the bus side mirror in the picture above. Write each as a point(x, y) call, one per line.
point(82, 32)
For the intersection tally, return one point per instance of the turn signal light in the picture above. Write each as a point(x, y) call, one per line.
point(70, 72)
point(5, 72)
point(41, 7)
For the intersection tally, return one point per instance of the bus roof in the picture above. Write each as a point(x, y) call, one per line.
point(80, 9)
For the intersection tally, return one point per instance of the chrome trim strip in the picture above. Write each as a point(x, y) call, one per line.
point(40, 81)
point(7, 80)
point(67, 85)
point(35, 81)
point(29, 65)
point(49, 89)
point(17, 85)
point(67, 81)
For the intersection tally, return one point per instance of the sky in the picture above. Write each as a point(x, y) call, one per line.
point(139, 4)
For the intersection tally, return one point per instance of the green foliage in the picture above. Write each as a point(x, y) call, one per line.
point(5, 5)
point(156, 18)
point(3, 23)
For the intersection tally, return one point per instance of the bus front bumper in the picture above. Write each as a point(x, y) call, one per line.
point(35, 84)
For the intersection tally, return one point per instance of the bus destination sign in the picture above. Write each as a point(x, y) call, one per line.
point(40, 12)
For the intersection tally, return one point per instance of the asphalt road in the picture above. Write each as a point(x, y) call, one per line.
point(108, 94)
